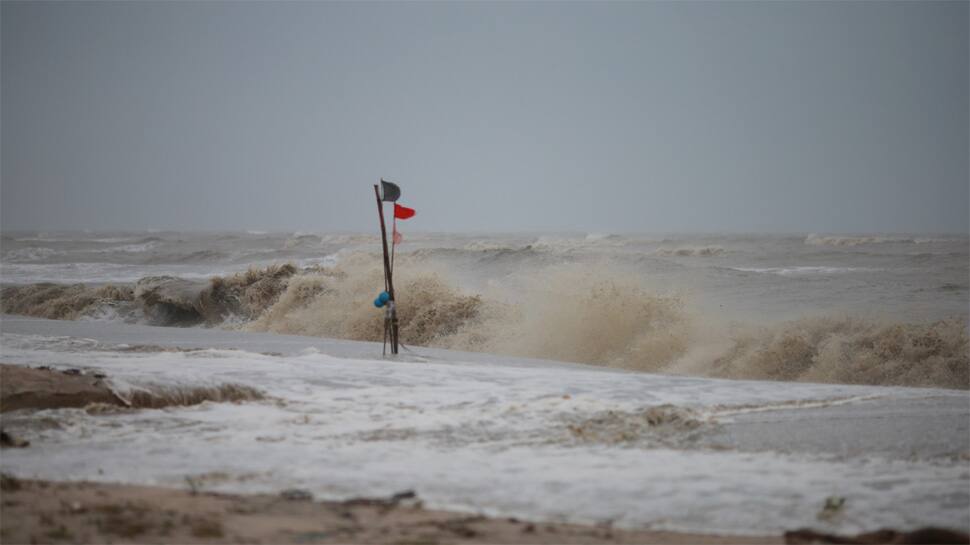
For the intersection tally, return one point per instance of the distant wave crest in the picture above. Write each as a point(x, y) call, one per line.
point(26, 255)
point(835, 240)
point(690, 251)
point(803, 270)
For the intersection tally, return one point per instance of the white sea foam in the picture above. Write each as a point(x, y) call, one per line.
point(488, 436)
point(846, 240)
point(604, 239)
point(484, 246)
point(103, 273)
point(113, 240)
point(128, 248)
point(691, 251)
point(36, 253)
point(804, 270)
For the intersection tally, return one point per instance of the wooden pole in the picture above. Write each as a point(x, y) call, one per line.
point(388, 279)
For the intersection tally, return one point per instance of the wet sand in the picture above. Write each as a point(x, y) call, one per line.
point(59, 512)
point(27, 388)
point(45, 388)
point(83, 512)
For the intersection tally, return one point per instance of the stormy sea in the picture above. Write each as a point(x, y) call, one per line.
point(742, 384)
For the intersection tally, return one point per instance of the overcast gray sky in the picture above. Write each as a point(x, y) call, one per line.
point(781, 116)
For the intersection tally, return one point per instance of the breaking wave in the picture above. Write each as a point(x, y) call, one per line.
point(175, 301)
point(336, 302)
point(128, 248)
point(513, 255)
point(852, 351)
point(581, 314)
point(36, 253)
point(571, 312)
point(63, 302)
point(665, 425)
point(156, 396)
point(832, 240)
point(162, 300)
point(703, 251)
point(571, 244)
point(801, 271)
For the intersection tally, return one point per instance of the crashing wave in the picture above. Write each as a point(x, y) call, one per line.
point(485, 246)
point(663, 425)
point(852, 351)
point(171, 300)
point(162, 300)
point(802, 271)
point(834, 240)
point(129, 248)
point(336, 302)
point(156, 396)
point(569, 244)
point(63, 302)
point(606, 239)
point(576, 313)
point(24, 255)
point(690, 251)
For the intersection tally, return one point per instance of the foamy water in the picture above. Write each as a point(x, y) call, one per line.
point(510, 437)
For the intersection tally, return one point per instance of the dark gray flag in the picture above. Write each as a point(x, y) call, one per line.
point(390, 192)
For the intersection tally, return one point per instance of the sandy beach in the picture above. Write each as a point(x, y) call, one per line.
point(59, 512)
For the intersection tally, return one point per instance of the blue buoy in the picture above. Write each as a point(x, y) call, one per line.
point(382, 299)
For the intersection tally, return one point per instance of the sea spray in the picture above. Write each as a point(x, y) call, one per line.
point(567, 313)
point(336, 302)
point(852, 351)
point(250, 293)
point(585, 313)
point(599, 316)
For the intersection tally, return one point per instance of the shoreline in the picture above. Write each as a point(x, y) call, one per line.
point(38, 511)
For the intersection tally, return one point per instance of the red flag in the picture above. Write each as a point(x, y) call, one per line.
point(397, 236)
point(402, 212)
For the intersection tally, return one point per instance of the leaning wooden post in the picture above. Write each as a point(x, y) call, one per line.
point(388, 280)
